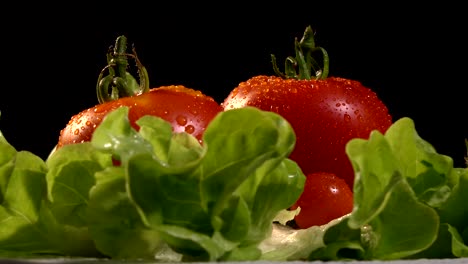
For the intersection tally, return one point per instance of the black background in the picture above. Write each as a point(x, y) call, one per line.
point(414, 58)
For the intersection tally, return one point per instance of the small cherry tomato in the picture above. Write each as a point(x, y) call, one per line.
point(325, 197)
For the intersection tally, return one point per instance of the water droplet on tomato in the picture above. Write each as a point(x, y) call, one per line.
point(77, 132)
point(190, 129)
point(181, 120)
point(347, 117)
point(88, 123)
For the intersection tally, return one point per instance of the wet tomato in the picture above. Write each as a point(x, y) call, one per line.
point(325, 112)
point(187, 110)
point(325, 197)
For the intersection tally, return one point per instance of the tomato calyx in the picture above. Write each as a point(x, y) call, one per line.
point(304, 66)
point(120, 82)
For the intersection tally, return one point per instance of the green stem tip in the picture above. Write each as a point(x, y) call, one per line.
point(119, 82)
point(304, 66)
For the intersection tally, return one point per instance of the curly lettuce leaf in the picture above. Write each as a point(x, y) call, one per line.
point(405, 196)
point(70, 176)
point(29, 226)
point(115, 223)
point(214, 201)
point(172, 199)
point(7, 160)
point(152, 193)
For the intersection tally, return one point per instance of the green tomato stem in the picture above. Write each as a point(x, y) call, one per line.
point(119, 82)
point(304, 66)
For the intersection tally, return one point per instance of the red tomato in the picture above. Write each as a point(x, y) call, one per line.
point(325, 115)
point(325, 197)
point(188, 110)
point(325, 112)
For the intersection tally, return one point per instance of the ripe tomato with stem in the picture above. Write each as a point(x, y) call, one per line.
point(188, 110)
point(325, 112)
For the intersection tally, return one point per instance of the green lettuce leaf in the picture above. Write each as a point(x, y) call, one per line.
point(408, 201)
point(241, 175)
point(29, 226)
point(164, 196)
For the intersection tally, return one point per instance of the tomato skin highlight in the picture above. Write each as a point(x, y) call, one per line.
point(187, 110)
point(325, 197)
point(325, 115)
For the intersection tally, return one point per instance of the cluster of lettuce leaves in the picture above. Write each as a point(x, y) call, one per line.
point(158, 195)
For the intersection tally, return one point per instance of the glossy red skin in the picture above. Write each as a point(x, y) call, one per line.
point(186, 109)
point(325, 115)
point(325, 197)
